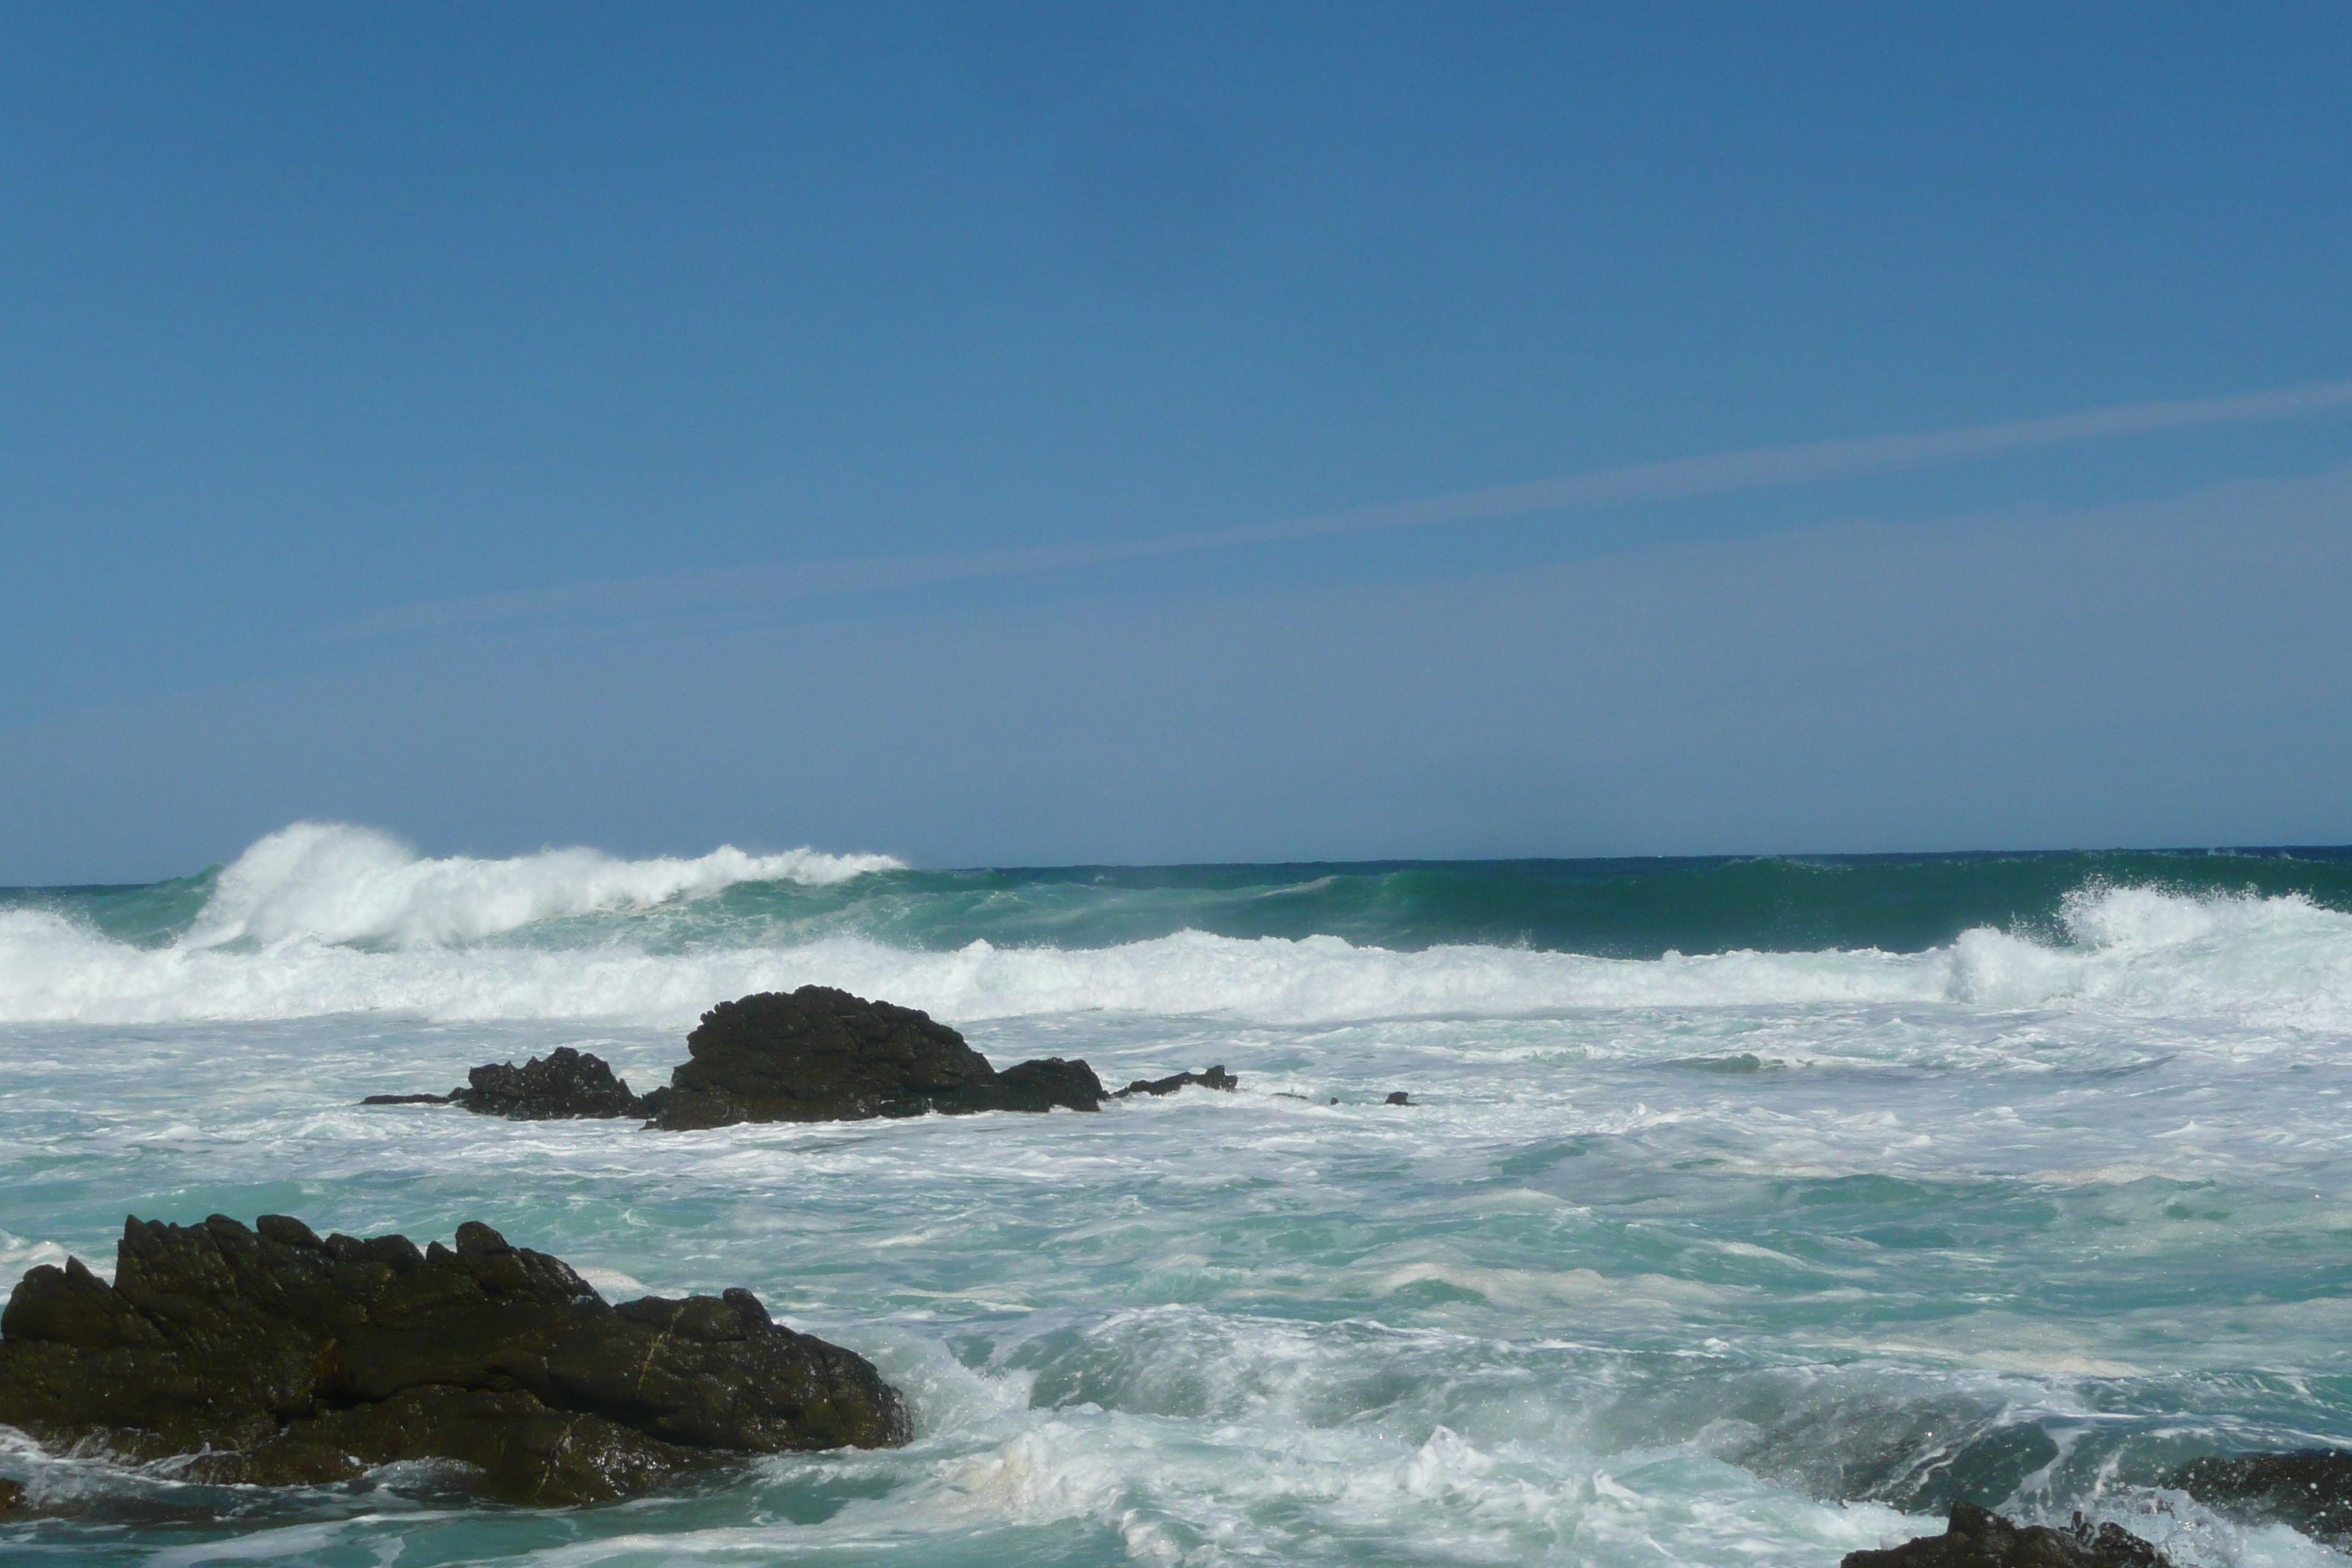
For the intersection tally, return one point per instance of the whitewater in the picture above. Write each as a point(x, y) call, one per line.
point(1747, 1211)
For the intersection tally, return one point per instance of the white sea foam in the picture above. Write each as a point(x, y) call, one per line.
point(1583, 1303)
point(2284, 960)
point(337, 883)
point(2277, 961)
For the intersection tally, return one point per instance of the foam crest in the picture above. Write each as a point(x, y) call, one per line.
point(53, 971)
point(340, 884)
point(2282, 960)
point(306, 894)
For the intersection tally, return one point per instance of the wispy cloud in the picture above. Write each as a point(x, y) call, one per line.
point(1675, 479)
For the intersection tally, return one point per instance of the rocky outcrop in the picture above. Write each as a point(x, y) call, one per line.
point(2307, 1489)
point(567, 1083)
point(813, 1055)
point(1214, 1078)
point(823, 1054)
point(1041, 1085)
point(275, 1358)
point(1978, 1538)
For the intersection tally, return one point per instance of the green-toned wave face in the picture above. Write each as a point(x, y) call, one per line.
point(147, 914)
point(1617, 909)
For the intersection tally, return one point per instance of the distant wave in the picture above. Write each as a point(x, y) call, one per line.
point(336, 883)
point(2278, 961)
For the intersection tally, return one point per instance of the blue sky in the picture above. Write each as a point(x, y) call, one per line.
point(651, 426)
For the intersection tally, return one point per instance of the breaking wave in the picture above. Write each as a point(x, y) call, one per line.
point(320, 920)
point(335, 883)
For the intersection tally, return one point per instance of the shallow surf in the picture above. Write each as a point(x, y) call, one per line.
point(1741, 1254)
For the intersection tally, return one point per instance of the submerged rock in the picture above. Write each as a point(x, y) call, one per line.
point(823, 1054)
point(2307, 1489)
point(1978, 1538)
point(1214, 1078)
point(568, 1083)
point(1398, 1097)
point(275, 1358)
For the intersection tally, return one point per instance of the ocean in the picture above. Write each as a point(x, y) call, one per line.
point(1747, 1211)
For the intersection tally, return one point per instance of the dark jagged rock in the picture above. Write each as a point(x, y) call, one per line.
point(1398, 1097)
point(1214, 1078)
point(815, 1054)
point(2112, 1546)
point(823, 1054)
point(566, 1084)
point(2308, 1488)
point(11, 1495)
point(526, 1451)
point(275, 1358)
point(1049, 1081)
point(1978, 1538)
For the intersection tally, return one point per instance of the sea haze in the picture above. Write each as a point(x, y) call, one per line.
point(1747, 1211)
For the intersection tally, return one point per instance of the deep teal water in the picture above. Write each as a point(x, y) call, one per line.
point(1612, 908)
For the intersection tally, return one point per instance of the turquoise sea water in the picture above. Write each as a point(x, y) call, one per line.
point(1747, 1212)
